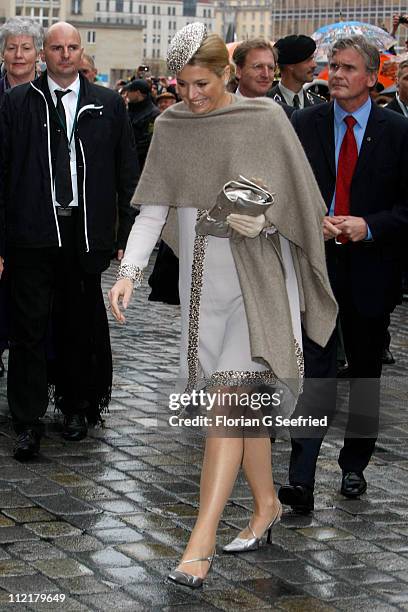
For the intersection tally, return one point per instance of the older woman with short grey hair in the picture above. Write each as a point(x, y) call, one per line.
point(20, 43)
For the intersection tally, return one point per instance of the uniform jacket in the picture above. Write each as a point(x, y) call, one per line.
point(310, 98)
point(107, 167)
point(379, 194)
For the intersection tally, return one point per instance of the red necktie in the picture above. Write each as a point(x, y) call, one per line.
point(345, 169)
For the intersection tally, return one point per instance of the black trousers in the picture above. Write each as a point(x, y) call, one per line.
point(364, 338)
point(317, 400)
point(44, 281)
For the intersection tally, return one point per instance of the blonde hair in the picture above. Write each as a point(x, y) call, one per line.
point(241, 51)
point(212, 54)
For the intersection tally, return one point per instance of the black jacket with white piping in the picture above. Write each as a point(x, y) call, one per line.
point(107, 168)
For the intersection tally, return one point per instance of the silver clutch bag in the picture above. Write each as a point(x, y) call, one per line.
point(243, 197)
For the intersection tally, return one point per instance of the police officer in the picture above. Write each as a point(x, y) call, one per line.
point(297, 64)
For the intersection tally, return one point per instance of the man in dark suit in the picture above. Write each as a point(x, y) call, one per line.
point(297, 64)
point(359, 155)
point(142, 112)
point(68, 164)
point(400, 102)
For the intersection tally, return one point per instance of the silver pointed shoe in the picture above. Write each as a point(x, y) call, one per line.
point(239, 545)
point(185, 579)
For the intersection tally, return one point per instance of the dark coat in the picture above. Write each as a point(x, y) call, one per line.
point(310, 98)
point(142, 116)
point(4, 86)
point(288, 109)
point(106, 163)
point(379, 194)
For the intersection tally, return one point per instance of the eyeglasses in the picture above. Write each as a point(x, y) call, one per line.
point(260, 67)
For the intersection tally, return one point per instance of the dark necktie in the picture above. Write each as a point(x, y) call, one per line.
point(296, 101)
point(63, 183)
point(345, 170)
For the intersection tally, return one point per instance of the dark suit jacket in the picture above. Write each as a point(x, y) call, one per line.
point(379, 194)
point(289, 110)
point(394, 106)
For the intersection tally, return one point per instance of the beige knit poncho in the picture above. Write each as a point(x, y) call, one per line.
point(192, 156)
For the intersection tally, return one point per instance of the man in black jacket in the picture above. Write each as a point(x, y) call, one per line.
point(142, 114)
point(359, 156)
point(68, 166)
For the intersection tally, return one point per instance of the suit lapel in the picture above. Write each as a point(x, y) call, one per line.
point(306, 101)
point(281, 95)
point(372, 136)
point(325, 130)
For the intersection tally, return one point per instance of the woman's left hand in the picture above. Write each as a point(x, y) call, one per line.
point(246, 225)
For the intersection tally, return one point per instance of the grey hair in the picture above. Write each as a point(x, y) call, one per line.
point(401, 67)
point(21, 26)
point(90, 60)
point(367, 50)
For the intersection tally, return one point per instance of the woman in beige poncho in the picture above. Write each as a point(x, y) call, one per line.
point(243, 300)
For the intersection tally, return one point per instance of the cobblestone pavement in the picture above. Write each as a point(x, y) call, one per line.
point(104, 520)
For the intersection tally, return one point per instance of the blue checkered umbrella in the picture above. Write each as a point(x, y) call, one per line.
point(328, 34)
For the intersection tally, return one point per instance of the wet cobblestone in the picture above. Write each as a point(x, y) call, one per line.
point(104, 520)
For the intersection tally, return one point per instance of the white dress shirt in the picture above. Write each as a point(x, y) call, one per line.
point(289, 95)
point(70, 102)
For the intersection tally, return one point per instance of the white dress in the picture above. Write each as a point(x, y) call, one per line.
point(223, 336)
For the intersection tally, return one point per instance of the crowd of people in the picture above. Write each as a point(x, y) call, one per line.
point(288, 215)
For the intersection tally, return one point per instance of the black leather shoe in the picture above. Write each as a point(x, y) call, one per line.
point(353, 484)
point(27, 445)
point(75, 427)
point(387, 357)
point(299, 497)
